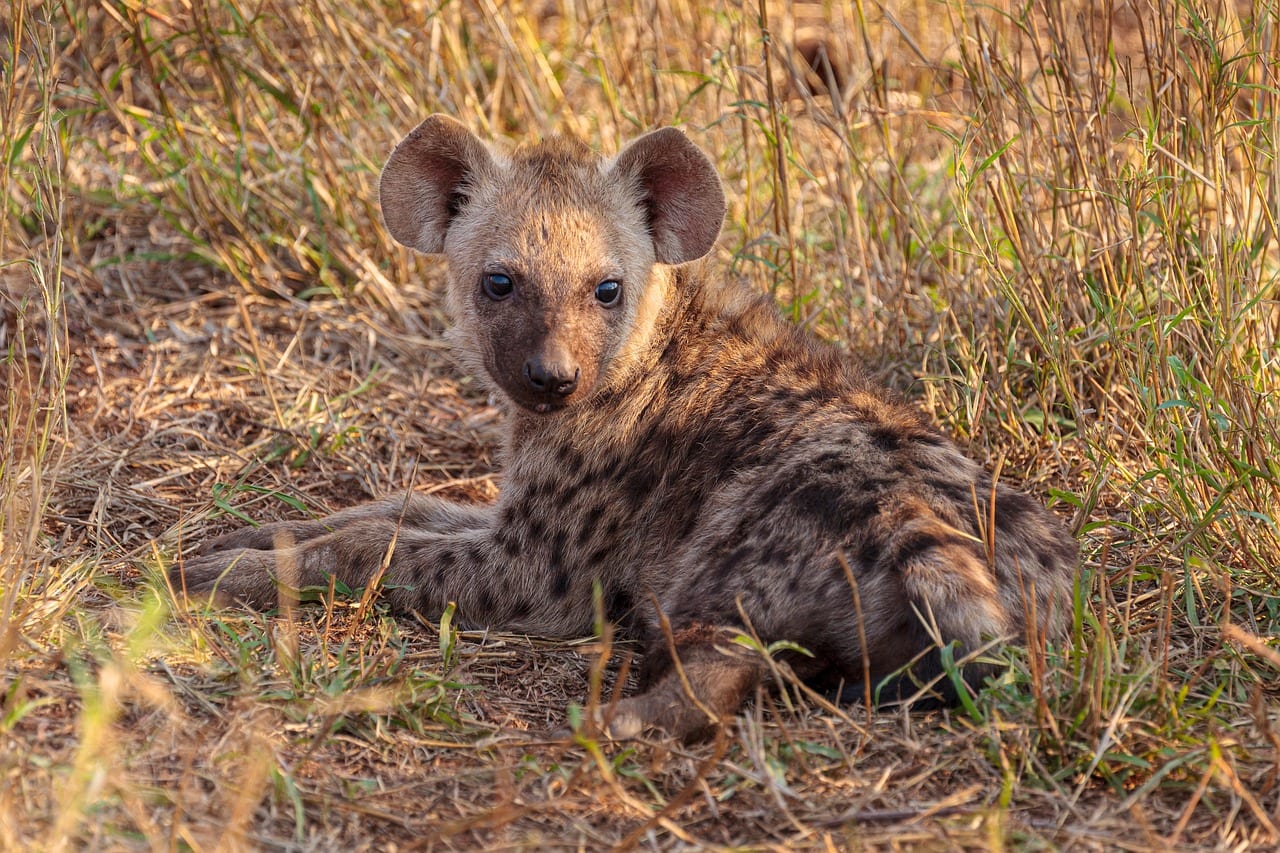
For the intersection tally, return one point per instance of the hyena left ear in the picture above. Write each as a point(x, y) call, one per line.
point(680, 190)
point(426, 181)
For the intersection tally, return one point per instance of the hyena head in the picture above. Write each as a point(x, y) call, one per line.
point(556, 257)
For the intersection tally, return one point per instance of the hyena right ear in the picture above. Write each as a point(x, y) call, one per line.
point(426, 180)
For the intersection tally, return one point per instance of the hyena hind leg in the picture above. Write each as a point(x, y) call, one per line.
point(711, 681)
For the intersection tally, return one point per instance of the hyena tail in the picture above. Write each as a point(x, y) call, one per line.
point(951, 610)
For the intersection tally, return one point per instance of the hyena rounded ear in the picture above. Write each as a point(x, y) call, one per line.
point(426, 179)
point(680, 190)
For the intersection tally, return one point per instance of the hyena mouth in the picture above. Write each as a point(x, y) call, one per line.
point(543, 405)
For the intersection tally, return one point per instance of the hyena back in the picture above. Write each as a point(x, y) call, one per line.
point(671, 439)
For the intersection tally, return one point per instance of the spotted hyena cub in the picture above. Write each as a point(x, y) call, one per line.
point(671, 440)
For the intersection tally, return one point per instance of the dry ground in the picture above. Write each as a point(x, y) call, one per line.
point(1053, 226)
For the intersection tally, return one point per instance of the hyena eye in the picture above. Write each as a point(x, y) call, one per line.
point(497, 286)
point(607, 292)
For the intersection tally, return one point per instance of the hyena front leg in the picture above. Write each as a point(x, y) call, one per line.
point(426, 554)
point(412, 511)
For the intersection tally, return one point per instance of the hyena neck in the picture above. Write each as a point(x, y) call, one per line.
point(659, 317)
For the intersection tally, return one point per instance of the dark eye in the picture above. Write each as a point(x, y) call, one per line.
point(607, 292)
point(497, 286)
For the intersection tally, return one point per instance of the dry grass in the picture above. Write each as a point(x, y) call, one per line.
point(1054, 226)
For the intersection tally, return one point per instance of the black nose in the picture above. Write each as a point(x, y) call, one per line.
point(551, 377)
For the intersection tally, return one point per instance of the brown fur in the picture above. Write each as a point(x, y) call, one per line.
point(710, 458)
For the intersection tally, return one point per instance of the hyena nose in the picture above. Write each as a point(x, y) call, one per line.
point(551, 377)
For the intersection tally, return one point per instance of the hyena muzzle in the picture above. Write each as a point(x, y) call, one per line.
point(672, 442)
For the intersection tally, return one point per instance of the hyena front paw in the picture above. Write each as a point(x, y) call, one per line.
point(225, 577)
point(276, 536)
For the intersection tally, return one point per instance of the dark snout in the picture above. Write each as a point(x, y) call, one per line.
point(552, 377)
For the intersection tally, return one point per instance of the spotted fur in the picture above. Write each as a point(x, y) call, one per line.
point(696, 457)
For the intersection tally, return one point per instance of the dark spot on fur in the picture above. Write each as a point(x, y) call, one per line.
point(1015, 510)
point(834, 507)
point(415, 551)
point(810, 395)
point(567, 492)
point(560, 585)
point(522, 508)
point(721, 570)
point(484, 605)
point(817, 499)
point(618, 604)
point(446, 558)
point(510, 544)
point(885, 439)
point(557, 548)
point(475, 552)
point(589, 524)
point(690, 522)
point(640, 484)
point(675, 382)
point(754, 440)
point(931, 438)
point(857, 510)
point(903, 467)
point(775, 494)
point(831, 464)
point(868, 553)
point(609, 470)
point(908, 547)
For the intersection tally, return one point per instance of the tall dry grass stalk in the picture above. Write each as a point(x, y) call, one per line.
point(34, 351)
